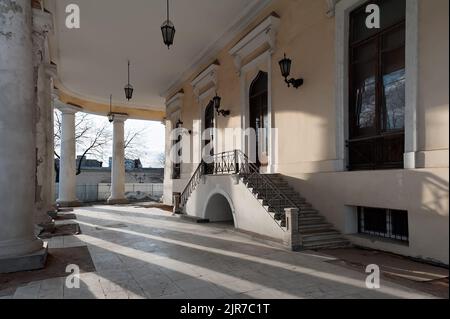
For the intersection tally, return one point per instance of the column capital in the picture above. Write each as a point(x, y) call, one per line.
point(51, 70)
point(120, 118)
point(67, 108)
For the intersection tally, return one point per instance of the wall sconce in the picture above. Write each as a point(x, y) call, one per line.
point(285, 66)
point(216, 102)
point(179, 124)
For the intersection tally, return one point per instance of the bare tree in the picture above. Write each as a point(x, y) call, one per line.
point(94, 145)
point(134, 144)
point(89, 138)
point(92, 139)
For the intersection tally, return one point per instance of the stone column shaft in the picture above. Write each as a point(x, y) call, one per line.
point(42, 25)
point(19, 248)
point(118, 162)
point(67, 167)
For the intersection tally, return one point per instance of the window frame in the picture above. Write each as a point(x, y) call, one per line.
point(389, 217)
point(380, 136)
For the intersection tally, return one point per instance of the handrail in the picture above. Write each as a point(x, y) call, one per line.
point(190, 187)
point(268, 181)
point(237, 163)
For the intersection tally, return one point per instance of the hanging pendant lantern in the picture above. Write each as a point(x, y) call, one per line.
point(168, 30)
point(129, 88)
point(110, 114)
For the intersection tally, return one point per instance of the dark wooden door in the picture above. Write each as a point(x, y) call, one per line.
point(259, 114)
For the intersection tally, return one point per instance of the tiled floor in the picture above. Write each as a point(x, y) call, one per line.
point(146, 253)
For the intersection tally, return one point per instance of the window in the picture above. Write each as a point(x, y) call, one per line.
point(377, 88)
point(386, 223)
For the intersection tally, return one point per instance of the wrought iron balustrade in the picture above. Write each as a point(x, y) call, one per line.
point(237, 163)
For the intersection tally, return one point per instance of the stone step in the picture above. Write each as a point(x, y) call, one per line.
point(316, 227)
point(308, 215)
point(321, 236)
point(311, 220)
point(326, 244)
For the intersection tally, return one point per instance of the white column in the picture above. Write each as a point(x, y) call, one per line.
point(118, 162)
point(67, 166)
point(19, 248)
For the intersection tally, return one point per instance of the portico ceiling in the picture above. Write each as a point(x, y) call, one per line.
point(92, 60)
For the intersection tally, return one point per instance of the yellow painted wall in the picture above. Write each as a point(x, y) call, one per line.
point(306, 121)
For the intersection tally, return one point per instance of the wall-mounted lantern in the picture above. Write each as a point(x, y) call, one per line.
point(216, 102)
point(180, 124)
point(285, 66)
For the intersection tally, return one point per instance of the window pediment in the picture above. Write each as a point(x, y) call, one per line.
point(263, 34)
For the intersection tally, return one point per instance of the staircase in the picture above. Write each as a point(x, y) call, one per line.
point(275, 195)
point(314, 230)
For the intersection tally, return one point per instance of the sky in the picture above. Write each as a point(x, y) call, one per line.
point(152, 138)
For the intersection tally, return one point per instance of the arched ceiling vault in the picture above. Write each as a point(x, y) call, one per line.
point(92, 60)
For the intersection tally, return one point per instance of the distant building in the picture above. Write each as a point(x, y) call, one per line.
point(129, 164)
point(88, 163)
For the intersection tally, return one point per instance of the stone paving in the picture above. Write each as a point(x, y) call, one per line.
point(147, 253)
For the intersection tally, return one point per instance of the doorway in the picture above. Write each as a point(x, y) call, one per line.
point(259, 119)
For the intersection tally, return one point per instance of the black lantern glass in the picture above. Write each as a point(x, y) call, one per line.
point(168, 33)
point(168, 30)
point(285, 66)
point(129, 91)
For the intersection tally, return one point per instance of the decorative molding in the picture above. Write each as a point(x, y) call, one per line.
point(331, 5)
point(264, 33)
point(67, 108)
point(175, 103)
point(205, 79)
point(120, 118)
point(207, 94)
point(209, 53)
point(51, 70)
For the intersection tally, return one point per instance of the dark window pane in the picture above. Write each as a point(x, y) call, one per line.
point(393, 89)
point(375, 220)
point(399, 220)
point(394, 39)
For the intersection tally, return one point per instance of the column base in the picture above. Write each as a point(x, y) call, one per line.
point(27, 262)
point(112, 201)
point(75, 203)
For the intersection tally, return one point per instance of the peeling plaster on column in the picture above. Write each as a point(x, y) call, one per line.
point(42, 25)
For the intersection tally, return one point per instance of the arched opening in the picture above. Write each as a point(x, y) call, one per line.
point(218, 209)
point(259, 117)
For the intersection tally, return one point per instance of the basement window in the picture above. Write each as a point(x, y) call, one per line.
point(384, 223)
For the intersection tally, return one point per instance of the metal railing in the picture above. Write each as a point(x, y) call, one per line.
point(192, 184)
point(237, 163)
